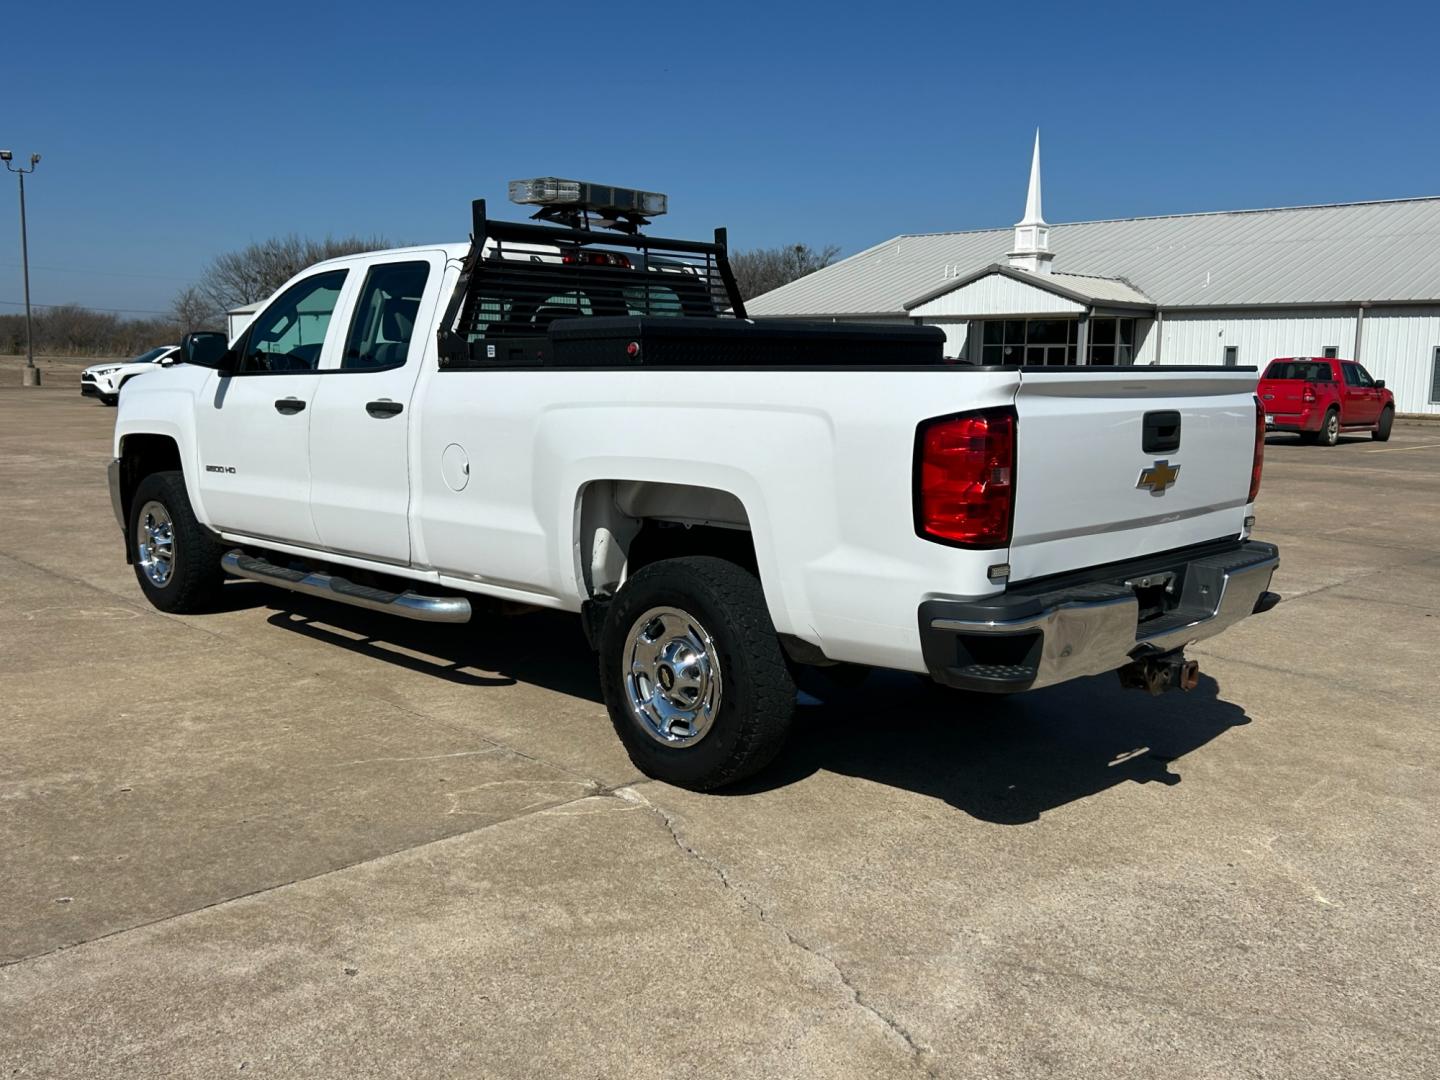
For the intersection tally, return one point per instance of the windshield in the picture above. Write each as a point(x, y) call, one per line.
point(1304, 370)
point(151, 356)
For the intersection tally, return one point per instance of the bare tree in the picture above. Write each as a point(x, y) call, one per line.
point(763, 269)
point(192, 309)
point(254, 272)
point(72, 330)
point(238, 277)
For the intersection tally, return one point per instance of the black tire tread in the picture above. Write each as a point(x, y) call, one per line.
point(197, 580)
point(1383, 425)
point(761, 708)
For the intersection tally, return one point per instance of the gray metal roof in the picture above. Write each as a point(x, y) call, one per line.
point(1352, 252)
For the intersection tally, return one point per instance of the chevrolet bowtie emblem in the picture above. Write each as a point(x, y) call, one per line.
point(1158, 478)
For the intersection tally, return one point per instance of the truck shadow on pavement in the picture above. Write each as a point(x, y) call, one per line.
point(542, 648)
point(1005, 760)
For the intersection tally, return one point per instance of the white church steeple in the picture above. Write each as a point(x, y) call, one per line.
point(1032, 234)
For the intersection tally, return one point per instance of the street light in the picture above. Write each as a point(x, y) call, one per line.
point(32, 373)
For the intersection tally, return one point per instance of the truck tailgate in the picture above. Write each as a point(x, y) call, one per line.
point(1083, 495)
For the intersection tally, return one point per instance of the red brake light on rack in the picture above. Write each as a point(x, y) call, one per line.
point(596, 258)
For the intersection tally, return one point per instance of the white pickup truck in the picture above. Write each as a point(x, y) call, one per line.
point(579, 416)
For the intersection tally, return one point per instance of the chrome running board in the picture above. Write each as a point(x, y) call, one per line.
point(447, 609)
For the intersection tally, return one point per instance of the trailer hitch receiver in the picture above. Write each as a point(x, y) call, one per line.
point(1160, 673)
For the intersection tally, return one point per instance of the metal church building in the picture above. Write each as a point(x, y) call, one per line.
point(1356, 280)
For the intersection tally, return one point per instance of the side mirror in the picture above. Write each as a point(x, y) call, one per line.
point(207, 348)
point(1379, 384)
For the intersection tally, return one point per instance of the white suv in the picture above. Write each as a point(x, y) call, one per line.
point(105, 380)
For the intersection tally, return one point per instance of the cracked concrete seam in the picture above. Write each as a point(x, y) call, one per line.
point(918, 1051)
point(533, 810)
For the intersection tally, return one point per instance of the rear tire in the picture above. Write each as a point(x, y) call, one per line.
point(1329, 433)
point(1382, 429)
point(693, 674)
point(177, 560)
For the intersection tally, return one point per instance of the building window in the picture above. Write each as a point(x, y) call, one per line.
point(1048, 342)
point(1331, 352)
point(1232, 355)
point(1435, 377)
point(1112, 341)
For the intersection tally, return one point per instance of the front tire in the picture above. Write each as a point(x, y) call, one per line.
point(177, 561)
point(693, 674)
point(1382, 429)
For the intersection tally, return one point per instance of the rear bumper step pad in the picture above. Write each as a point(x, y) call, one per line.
point(1023, 640)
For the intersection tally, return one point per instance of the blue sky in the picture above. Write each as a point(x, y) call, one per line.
point(171, 133)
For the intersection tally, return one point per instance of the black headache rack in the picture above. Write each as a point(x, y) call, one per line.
point(533, 295)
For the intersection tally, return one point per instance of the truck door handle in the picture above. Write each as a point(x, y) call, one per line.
point(383, 408)
point(289, 405)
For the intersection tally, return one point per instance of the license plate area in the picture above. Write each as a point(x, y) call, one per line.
point(1157, 593)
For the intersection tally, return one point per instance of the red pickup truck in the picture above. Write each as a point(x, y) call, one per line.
point(1319, 397)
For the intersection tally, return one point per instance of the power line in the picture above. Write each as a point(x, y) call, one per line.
point(105, 274)
point(86, 307)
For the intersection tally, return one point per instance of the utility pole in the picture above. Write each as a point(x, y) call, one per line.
point(32, 373)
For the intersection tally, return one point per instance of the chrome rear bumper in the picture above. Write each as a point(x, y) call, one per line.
point(1026, 640)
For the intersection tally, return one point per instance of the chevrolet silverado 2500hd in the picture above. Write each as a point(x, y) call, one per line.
point(579, 416)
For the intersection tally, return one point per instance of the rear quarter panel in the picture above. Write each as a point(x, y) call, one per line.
point(821, 460)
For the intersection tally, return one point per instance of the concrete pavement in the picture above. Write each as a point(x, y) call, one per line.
point(297, 839)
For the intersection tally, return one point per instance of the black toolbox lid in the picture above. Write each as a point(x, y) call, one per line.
point(608, 341)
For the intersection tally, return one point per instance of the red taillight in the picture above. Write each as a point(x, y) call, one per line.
point(965, 482)
point(596, 258)
point(1307, 395)
point(1259, 460)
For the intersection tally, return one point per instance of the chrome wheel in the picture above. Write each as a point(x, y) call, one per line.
point(672, 676)
point(155, 543)
point(1332, 429)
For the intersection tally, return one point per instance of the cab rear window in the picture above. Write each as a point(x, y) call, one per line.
point(506, 318)
point(1303, 370)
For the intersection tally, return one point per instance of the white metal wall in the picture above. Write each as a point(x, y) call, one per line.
point(1144, 341)
point(997, 294)
point(1398, 345)
point(1259, 336)
point(956, 332)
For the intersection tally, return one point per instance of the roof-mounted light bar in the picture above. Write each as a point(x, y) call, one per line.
point(573, 201)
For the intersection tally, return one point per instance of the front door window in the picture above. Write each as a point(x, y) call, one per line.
point(289, 334)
